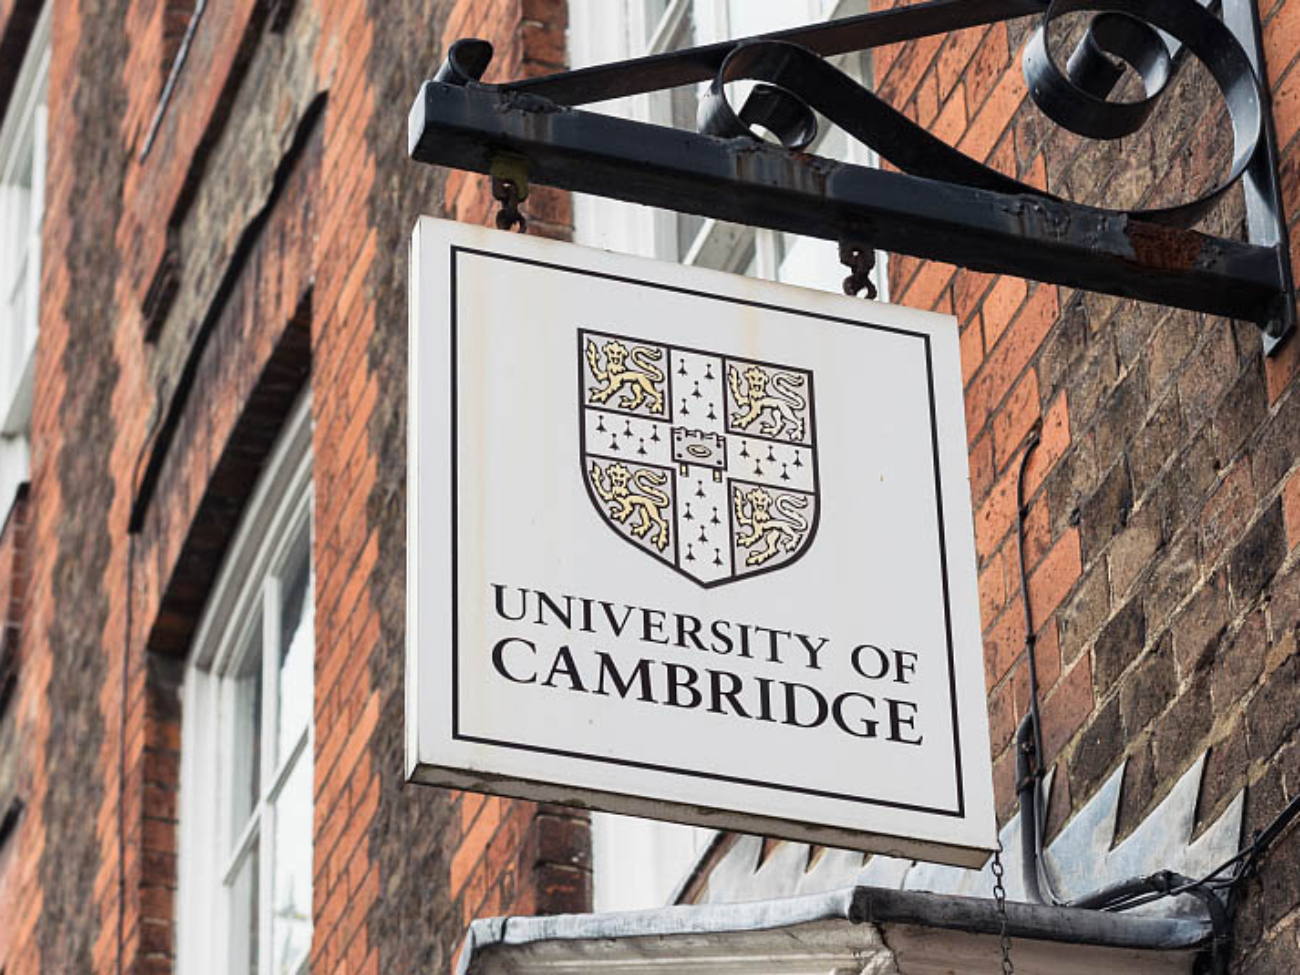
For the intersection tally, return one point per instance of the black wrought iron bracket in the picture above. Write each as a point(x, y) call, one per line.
point(941, 204)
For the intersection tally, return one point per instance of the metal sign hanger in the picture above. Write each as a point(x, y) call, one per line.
point(941, 205)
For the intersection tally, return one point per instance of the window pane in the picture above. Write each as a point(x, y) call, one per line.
point(683, 100)
point(244, 917)
point(296, 639)
point(747, 18)
point(246, 775)
point(15, 218)
point(675, 107)
point(683, 105)
point(689, 226)
point(291, 907)
point(813, 263)
point(654, 13)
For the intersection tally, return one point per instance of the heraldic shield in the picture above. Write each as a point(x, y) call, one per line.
point(704, 460)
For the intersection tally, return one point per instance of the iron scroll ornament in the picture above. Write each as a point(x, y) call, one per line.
point(937, 204)
point(793, 82)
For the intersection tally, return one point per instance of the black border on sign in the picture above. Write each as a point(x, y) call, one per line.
point(454, 251)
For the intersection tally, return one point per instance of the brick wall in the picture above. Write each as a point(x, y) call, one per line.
point(15, 785)
point(258, 246)
point(21, 681)
point(500, 856)
point(209, 254)
point(419, 862)
point(1162, 503)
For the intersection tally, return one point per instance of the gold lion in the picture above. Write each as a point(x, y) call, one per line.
point(776, 534)
point(645, 500)
point(636, 383)
point(774, 411)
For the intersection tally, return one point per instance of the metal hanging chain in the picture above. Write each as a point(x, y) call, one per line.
point(506, 192)
point(1000, 898)
point(510, 188)
point(860, 259)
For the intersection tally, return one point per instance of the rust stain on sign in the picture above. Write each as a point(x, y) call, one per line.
point(1165, 248)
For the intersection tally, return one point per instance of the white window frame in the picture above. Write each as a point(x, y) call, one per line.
point(640, 864)
point(22, 142)
point(268, 543)
point(602, 31)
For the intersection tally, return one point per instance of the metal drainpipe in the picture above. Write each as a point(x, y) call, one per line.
point(1029, 735)
point(1165, 880)
point(1029, 764)
point(1027, 787)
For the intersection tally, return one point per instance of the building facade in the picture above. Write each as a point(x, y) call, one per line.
point(205, 211)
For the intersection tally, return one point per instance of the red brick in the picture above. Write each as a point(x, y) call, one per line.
point(1067, 707)
point(1004, 642)
point(972, 349)
point(1012, 423)
point(987, 64)
point(996, 516)
point(1047, 655)
point(1004, 785)
point(883, 58)
point(968, 289)
point(1037, 532)
point(992, 118)
point(472, 847)
point(553, 12)
point(926, 286)
point(992, 590)
point(1054, 441)
point(1002, 716)
point(1280, 368)
point(544, 44)
point(955, 55)
point(901, 269)
point(1286, 107)
point(1001, 305)
point(1291, 509)
point(952, 117)
point(906, 72)
point(1035, 174)
point(981, 469)
point(1003, 157)
point(1004, 364)
point(1055, 576)
point(1227, 512)
point(927, 101)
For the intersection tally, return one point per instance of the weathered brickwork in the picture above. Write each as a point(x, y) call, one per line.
point(15, 786)
point(1161, 508)
point(211, 250)
point(497, 856)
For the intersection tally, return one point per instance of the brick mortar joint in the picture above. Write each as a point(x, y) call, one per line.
point(1189, 525)
point(1220, 730)
point(1031, 365)
point(1208, 573)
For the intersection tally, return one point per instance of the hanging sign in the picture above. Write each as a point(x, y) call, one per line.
point(692, 546)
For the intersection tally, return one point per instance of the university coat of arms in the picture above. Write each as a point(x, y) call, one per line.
point(706, 461)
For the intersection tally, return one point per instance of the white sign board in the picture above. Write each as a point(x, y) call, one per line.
point(691, 546)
